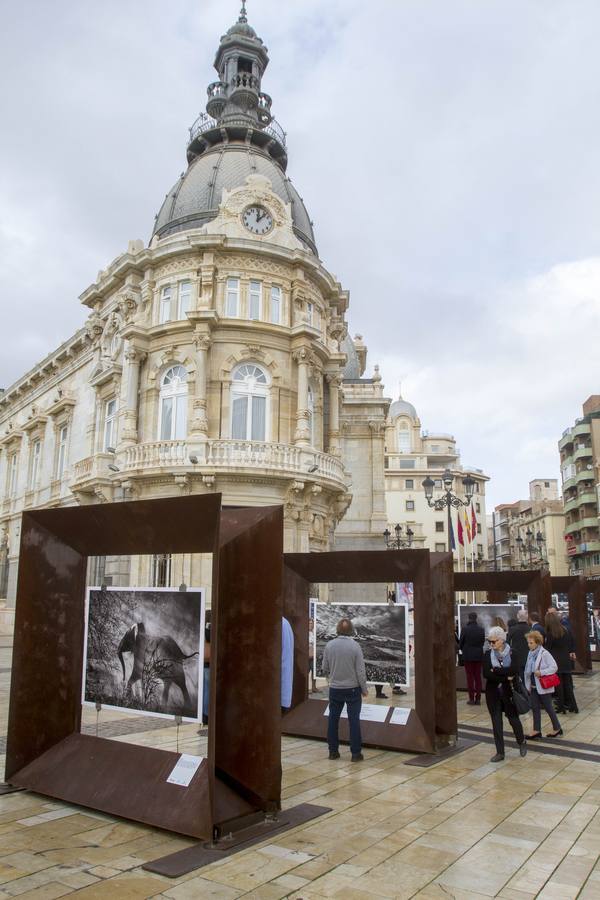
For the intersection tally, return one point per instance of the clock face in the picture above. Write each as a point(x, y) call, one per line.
point(257, 219)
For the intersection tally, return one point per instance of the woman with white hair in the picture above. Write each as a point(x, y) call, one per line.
point(499, 670)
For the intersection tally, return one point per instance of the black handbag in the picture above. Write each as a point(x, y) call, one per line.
point(520, 696)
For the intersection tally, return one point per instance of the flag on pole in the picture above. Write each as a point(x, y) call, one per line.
point(461, 539)
point(473, 521)
point(467, 525)
point(452, 541)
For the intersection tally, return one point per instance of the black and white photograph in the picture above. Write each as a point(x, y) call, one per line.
point(488, 614)
point(143, 650)
point(381, 630)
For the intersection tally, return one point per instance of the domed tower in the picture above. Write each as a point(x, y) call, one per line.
point(236, 138)
point(217, 362)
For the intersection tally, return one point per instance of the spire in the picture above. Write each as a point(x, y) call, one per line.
point(243, 19)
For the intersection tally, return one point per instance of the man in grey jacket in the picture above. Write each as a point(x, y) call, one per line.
point(344, 667)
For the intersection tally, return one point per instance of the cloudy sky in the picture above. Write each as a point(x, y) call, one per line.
point(447, 151)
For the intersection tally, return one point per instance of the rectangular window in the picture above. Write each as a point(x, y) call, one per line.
point(310, 312)
point(61, 457)
point(185, 298)
point(36, 455)
point(161, 570)
point(477, 507)
point(110, 424)
point(12, 475)
point(437, 482)
point(275, 305)
point(440, 548)
point(232, 303)
point(254, 300)
point(239, 417)
point(165, 304)
point(478, 528)
point(435, 448)
point(439, 526)
point(407, 464)
point(409, 483)
point(410, 505)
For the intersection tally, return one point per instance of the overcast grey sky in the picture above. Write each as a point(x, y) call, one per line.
point(448, 151)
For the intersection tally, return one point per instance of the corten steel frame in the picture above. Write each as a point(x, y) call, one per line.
point(574, 586)
point(432, 723)
point(241, 776)
point(593, 588)
point(535, 583)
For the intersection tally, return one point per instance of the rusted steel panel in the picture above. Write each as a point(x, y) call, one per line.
point(574, 586)
point(122, 780)
point(442, 589)
point(45, 690)
point(245, 719)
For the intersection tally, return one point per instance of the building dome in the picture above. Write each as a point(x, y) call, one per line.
point(194, 200)
point(401, 407)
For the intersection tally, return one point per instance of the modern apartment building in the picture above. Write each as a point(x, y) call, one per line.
point(579, 449)
point(530, 532)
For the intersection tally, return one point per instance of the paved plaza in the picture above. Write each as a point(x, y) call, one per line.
point(462, 828)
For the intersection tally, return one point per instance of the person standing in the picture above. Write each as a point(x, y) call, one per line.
point(536, 625)
point(311, 656)
point(540, 662)
point(596, 624)
point(344, 667)
point(472, 639)
point(561, 644)
point(287, 664)
point(518, 641)
point(499, 670)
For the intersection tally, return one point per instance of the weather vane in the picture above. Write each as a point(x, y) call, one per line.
point(243, 17)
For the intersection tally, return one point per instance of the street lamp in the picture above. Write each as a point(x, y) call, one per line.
point(398, 542)
point(529, 548)
point(448, 499)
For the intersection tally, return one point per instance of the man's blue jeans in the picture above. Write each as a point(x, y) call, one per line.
point(352, 697)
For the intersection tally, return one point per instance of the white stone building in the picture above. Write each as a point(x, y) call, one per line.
point(411, 455)
point(212, 359)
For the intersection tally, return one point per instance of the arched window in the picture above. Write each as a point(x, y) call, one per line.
point(249, 403)
point(403, 438)
point(311, 416)
point(173, 405)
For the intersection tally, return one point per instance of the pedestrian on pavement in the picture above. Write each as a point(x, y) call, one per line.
point(518, 641)
point(499, 671)
point(536, 625)
point(540, 662)
point(472, 639)
point(561, 644)
point(344, 666)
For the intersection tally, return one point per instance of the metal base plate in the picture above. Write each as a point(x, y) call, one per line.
point(177, 864)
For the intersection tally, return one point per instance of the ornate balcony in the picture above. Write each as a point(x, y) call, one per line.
point(227, 455)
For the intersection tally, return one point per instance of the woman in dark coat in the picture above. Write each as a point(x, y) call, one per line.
point(499, 670)
point(561, 644)
point(472, 639)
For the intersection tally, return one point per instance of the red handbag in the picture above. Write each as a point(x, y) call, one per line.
point(549, 681)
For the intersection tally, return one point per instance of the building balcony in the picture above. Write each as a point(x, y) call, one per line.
point(585, 497)
point(91, 469)
point(566, 439)
point(588, 547)
point(581, 429)
point(219, 456)
point(584, 452)
point(584, 475)
point(586, 522)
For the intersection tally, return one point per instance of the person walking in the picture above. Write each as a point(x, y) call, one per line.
point(561, 644)
point(344, 667)
point(540, 662)
point(472, 639)
point(499, 670)
point(518, 641)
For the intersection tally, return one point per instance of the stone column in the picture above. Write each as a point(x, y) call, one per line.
point(334, 381)
point(199, 423)
point(133, 358)
point(302, 435)
point(378, 510)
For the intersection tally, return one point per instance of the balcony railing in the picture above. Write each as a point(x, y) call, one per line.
point(231, 454)
point(206, 123)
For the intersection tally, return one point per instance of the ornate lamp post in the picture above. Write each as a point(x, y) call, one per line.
point(532, 551)
point(448, 499)
point(398, 542)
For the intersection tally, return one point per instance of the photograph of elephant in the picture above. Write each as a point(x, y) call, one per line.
point(143, 650)
point(488, 615)
point(380, 629)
